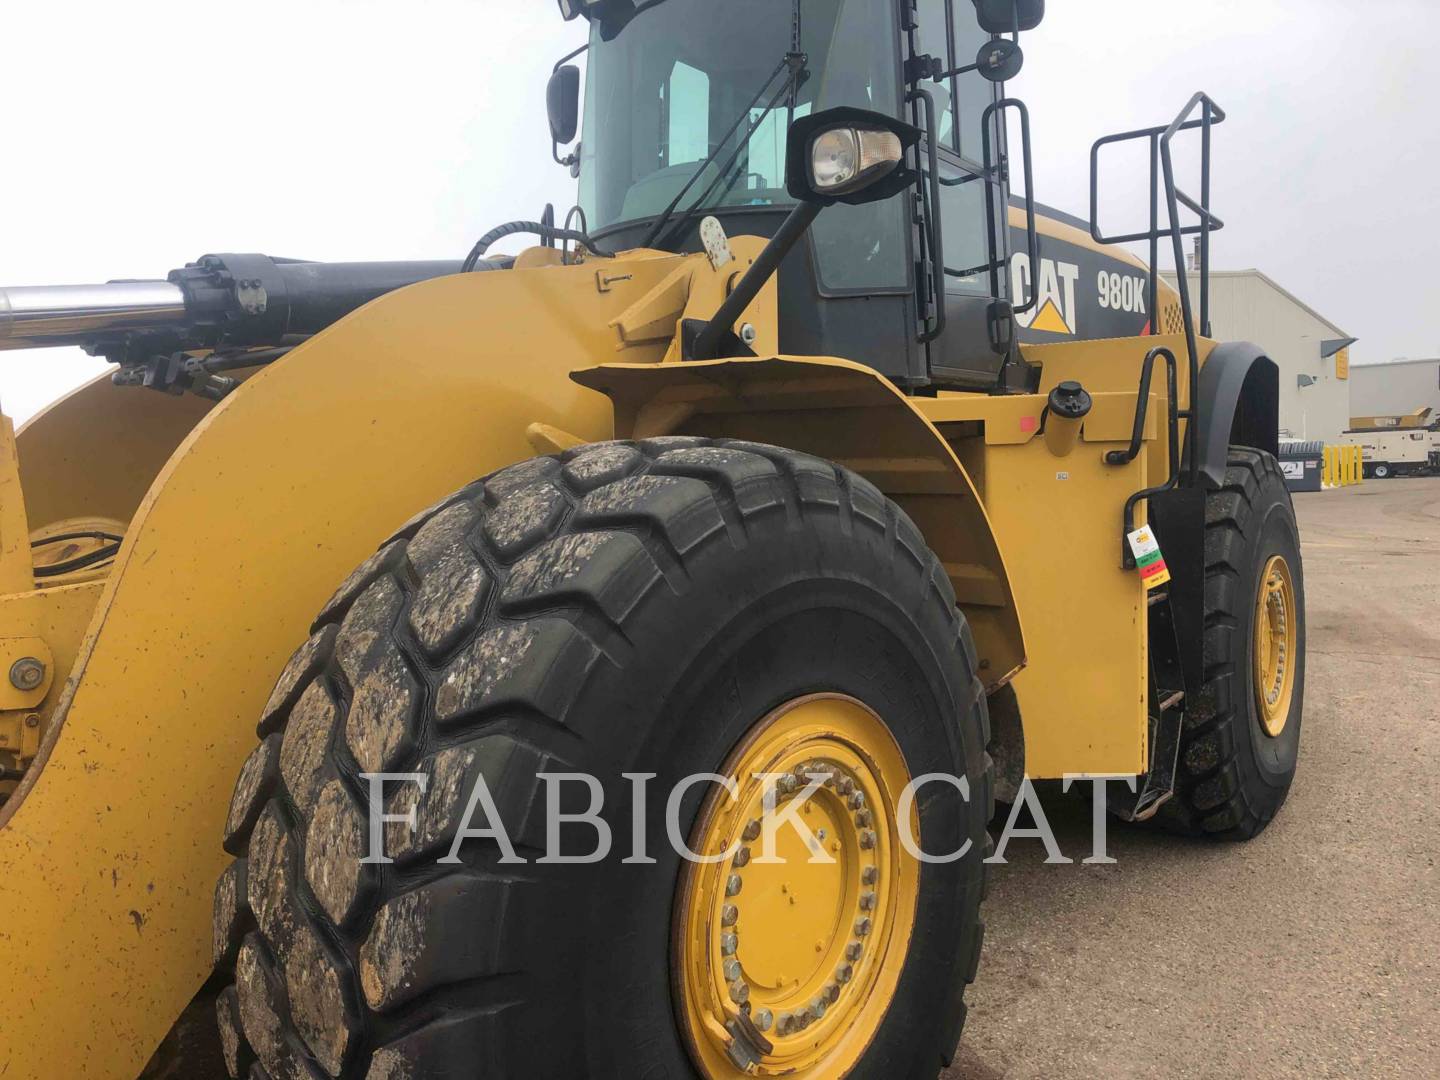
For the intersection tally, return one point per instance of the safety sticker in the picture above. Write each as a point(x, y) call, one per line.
point(1148, 559)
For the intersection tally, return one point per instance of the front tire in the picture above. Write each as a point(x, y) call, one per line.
point(621, 608)
point(1241, 738)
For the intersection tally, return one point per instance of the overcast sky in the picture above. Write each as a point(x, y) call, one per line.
point(141, 135)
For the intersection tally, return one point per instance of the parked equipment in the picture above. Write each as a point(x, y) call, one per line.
point(1407, 445)
point(787, 466)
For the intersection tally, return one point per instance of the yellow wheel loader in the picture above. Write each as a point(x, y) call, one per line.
point(820, 478)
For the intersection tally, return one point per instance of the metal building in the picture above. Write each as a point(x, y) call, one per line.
point(1396, 388)
point(1311, 351)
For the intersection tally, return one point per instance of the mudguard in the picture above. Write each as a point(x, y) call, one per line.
point(1238, 398)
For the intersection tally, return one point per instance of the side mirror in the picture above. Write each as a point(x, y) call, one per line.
point(847, 155)
point(562, 102)
point(1009, 16)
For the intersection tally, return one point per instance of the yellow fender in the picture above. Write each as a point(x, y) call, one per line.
point(847, 413)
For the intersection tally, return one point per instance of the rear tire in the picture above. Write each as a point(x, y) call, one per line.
point(1234, 775)
point(620, 608)
point(1380, 470)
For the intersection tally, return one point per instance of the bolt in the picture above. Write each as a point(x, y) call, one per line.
point(728, 944)
point(751, 833)
point(742, 857)
point(821, 834)
point(845, 786)
point(867, 839)
point(733, 884)
point(782, 1026)
point(853, 951)
point(832, 993)
point(863, 818)
point(862, 926)
point(867, 901)
point(870, 875)
point(729, 915)
point(787, 784)
point(763, 1019)
point(32, 720)
point(857, 801)
point(27, 673)
point(747, 333)
point(732, 970)
point(739, 992)
point(844, 972)
point(818, 1006)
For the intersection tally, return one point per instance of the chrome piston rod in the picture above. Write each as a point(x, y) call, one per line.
point(37, 316)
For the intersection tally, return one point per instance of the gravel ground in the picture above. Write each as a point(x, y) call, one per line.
point(1313, 950)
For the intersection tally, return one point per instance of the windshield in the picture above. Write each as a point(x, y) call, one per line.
point(661, 97)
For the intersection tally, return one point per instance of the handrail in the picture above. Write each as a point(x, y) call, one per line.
point(1137, 434)
point(1162, 164)
point(1032, 243)
point(935, 239)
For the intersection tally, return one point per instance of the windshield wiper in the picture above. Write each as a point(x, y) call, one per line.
point(794, 62)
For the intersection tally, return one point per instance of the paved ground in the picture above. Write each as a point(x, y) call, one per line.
point(1311, 951)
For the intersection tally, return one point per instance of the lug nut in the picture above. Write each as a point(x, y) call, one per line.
point(870, 875)
point(818, 1007)
point(733, 884)
point(739, 992)
point(853, 951)
point(863, 818)
point(742, 858)
point(762, 1019)
point(782, 1026)
point(843, 974)
point(867, 901)
point(732, 970)
point(862, 926)
point(751, 833)
point(787, 784)
point(867, 839)
point(832, 993)
point(845, 786)
point(728, 944)
point(729, 915)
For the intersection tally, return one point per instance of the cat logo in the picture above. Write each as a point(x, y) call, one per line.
point(1054, 310)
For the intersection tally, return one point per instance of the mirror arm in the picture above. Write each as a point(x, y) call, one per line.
point(706, 345)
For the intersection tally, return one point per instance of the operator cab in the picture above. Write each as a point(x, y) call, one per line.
point(688, 105)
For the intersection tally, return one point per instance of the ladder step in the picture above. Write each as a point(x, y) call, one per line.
point(1173, 700)
point(1157, 596)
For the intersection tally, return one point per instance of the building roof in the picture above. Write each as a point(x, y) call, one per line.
point(1261, 275)
point(1399, 363)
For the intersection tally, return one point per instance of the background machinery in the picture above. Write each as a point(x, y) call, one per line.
point(788, 465)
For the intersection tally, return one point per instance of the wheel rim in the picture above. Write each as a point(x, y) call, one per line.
point(789, 967)
point(1276, 629)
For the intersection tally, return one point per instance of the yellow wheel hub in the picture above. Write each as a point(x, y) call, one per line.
point(789, 966)
point(1275, 647)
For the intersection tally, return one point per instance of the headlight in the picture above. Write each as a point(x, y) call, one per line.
point(847, 159)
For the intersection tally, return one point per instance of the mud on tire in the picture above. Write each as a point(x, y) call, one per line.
point(620, 607)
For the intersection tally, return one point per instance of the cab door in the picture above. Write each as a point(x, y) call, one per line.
point(966, 348)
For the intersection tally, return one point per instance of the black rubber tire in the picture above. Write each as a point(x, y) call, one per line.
point(1233, 776)
point(618, 608)
point(1381, 470)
